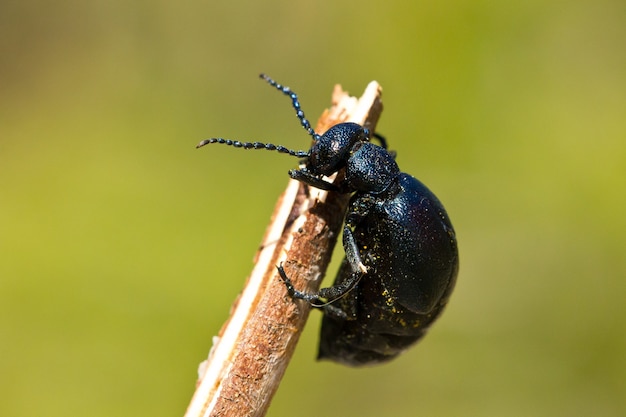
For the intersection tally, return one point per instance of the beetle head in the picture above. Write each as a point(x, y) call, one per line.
point(332, 150)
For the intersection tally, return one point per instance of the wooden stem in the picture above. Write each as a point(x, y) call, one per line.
point(254, 346)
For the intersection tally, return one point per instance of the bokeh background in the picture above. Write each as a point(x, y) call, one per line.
point(123, 247)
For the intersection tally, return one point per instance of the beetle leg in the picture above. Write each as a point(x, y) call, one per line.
point(330, 293)
point(353, 258)
point(313, 299)
point(352, 251)
point(344, 287)
point(339, 290)
point(310, 179)
point(381, 139)
point(333, 311)
point(293, 293)
point(356, 265)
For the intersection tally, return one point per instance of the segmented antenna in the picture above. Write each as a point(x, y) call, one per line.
point(254, 145)
point(295, 103)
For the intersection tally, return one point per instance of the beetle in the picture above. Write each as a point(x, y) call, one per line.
point(401, 260)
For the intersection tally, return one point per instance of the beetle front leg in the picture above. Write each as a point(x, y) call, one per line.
point(306, 177)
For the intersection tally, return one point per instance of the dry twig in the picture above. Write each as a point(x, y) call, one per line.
point(251, 353)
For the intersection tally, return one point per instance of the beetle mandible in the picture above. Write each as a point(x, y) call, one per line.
point(401, 258)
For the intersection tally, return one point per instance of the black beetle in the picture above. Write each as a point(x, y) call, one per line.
point(401, 253)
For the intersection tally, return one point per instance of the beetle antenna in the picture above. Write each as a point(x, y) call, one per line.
point(295, 103)
point(254, 145)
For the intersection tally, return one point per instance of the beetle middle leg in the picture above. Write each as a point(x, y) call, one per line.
point(313, 298)
point(330, 294)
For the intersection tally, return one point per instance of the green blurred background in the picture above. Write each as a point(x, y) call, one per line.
point(123, 247)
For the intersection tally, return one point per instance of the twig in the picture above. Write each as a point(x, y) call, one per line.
point(254, 346)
